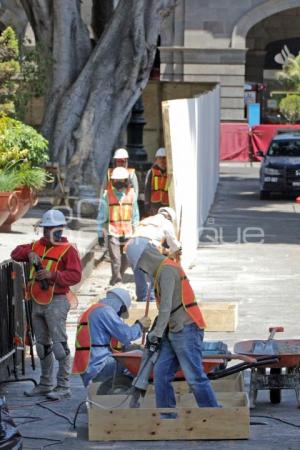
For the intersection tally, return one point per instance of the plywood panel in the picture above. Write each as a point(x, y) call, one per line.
point(219, 316)
point(229, 422)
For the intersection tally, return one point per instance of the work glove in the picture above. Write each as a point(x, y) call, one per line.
point(43, 275)
point(101, 241)
point(144, 322)
point(34, 259)
point(152, 338)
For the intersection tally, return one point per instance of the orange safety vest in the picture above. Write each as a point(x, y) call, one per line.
point(50, 259)
point(109, 172)
point(188, 299)
point(120, 213)
point(159, 187)
point(83, 343)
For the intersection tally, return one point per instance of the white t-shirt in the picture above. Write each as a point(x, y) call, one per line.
point(158, 229)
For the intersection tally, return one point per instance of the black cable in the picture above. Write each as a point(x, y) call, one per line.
point(42, 439)
point(278, 420)
point(77, 412)
point(55, 412)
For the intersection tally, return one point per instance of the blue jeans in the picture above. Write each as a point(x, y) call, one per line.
point(182, 350)
point(141, 285)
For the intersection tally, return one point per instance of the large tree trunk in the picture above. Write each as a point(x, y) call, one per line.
point(94, 91)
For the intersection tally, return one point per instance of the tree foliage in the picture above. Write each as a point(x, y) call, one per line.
point(19, 142)
point(290, 107)
point(289, 76)
point(93, 87)
point(9, 71)
point(22, 151)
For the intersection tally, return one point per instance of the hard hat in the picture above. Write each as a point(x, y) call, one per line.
point(160, 153)
point(166, 210)
point(53, 218)
point(123, 297)
point(119, 173)
point(120, 153)
point(135, 249)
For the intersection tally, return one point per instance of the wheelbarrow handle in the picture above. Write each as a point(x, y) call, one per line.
point(230, 356)
point(242, 366)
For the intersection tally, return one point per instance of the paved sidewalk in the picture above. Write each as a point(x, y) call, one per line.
point(261, 277)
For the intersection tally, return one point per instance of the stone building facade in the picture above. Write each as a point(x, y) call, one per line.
point(227, 42)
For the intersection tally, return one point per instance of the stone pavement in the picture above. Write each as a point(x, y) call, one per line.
point(230, 266)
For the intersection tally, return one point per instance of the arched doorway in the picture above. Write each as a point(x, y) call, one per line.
point(270, 42)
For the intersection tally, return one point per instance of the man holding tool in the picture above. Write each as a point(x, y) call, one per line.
point(100, 328)
point(178, 330)
point(54, 267)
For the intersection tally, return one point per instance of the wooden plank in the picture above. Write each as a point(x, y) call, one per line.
point(192, 423)
point(219, 316)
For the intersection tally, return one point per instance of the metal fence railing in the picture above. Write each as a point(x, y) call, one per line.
point(15, 320)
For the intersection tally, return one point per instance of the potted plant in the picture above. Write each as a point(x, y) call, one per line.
point(9, 203)
point(22, 151)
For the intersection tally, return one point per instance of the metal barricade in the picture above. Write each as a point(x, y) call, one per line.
point(15, 320)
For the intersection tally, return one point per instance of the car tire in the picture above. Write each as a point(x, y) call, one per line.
point(264, 195)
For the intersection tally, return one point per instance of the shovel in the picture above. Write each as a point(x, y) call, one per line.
point(268, 347)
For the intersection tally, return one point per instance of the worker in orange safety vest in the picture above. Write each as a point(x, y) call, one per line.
point(120, 159)
point(54, 267)
point(179, 328)
point(98, 326)
point(157, 184)
point(118, 216)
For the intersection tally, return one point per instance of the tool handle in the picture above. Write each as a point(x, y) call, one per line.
point(147, 306)
point(43, 283)
point(274, 330)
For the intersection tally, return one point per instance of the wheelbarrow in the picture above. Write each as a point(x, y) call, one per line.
point(213, 365)
point(283, 374)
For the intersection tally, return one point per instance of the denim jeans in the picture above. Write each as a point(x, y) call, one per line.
point(141, 285)
point(182, 350)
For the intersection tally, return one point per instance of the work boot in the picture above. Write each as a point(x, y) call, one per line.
point(39, 389)
point(59, 393)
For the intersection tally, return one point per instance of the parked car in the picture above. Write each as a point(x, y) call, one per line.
point(280, 167)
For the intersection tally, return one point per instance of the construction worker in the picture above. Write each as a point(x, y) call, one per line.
point(54, 267)
point(156, 184)
point(118, 217)
point(159, 229)
point(98, 327)
point(179, 327)
point(120, 159)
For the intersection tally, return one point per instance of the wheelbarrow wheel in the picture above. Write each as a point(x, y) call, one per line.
point(121, 384)
point(275, 394)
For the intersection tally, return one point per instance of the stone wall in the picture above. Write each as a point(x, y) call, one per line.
point(206, 41)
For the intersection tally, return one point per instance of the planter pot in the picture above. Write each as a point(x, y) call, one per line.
point(9, 204)
point(26, 199)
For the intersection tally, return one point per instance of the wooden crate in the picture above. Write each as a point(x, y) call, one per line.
point(219, 316)
point(145, 423)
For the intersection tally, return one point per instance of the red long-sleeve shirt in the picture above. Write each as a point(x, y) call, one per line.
point(69, 267)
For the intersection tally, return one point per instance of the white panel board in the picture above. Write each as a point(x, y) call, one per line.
point(191, 130)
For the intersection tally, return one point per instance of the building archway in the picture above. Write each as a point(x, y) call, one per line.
point(256, 15)
point(270, 43)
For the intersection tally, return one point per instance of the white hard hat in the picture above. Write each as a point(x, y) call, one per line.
point(135, 249)
point(160, 153)
point(166, 210)
point(120, 153)
point(53, 218)
point(122, 296)
point(119, 173)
